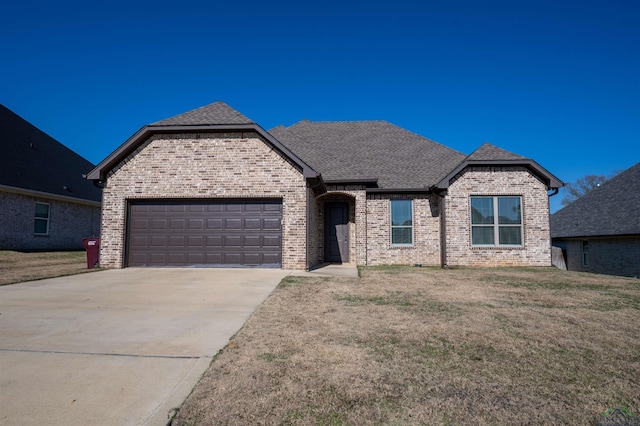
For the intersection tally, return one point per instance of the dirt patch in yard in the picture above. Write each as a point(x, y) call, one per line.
point(18, 266)
point(408, 345)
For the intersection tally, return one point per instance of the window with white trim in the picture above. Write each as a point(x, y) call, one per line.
point(496, 221)
point(41, 222)
point(402, 222)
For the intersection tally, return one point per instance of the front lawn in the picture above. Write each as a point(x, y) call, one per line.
point(407, 345)
point(16, 266)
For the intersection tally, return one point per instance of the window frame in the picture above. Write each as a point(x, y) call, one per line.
point(37, 219)
point(584, 252)
point(495, 226)
point(392, 226)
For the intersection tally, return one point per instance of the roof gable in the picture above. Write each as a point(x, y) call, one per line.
point(32, 160)
point(610, 209)
point(345, 151)
point(212, 118)
point(488, 155)
point(489, 152)
point(217, 113)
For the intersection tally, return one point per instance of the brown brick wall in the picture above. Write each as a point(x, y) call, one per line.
point(536, 250)
point(426, 231)
point(611, 256)
point(68, 223)
point(230, 165)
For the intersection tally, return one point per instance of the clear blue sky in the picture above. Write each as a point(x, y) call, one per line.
point(556, 81)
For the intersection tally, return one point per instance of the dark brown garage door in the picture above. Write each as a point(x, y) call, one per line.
point(205, 232)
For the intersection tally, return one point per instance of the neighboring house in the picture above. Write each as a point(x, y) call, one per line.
point(45, 203)
point(211, 187)
point(600, 231)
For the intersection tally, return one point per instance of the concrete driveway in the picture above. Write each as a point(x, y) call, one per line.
point(117, 347)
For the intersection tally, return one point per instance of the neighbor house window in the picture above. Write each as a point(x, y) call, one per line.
point(41, 223)
point(585, 253)
point(401, 222)
point(496, 221)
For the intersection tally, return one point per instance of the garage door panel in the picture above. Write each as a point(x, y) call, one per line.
point(253, 224)
point(197, 224)
point(232, 241)
point(195, 241)
point(140, 224)
point(176, 258)
point(214, 224)
point(232, 259)
point(233, 224)
point(159, 224)
point(176, 241)
point(204, 232)
point(253, 259)
point(140, 241)
point(252, 241)
point(233, 207)
point(214, 242)
point(178, 224)
point(271, 241)
point(271, 223)
point(271, 258)
point(158, 241)
point(273, 207)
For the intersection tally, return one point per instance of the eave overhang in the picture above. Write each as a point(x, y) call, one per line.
point(366, 182)
point(549, 179)
point(400, 190)
point(99, 173)
point(49, 195)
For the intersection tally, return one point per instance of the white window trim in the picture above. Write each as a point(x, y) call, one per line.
point(496, 226)
point(391, 227)
point(46, 219)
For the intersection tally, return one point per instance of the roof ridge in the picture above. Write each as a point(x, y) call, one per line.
point(214, 113)
point(337, 122)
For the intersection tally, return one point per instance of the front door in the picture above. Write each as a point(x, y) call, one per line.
point(336, 232)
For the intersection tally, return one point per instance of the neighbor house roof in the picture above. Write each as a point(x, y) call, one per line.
point(216, 117)
point(610, 209)
point(369, 151)
point(491, 155)
point(32, 161)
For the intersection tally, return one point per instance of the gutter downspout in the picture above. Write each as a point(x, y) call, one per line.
point(443, 233)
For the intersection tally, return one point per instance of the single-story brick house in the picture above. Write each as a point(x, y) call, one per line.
point(45, 203)
point(600, 231)
point(212, 187)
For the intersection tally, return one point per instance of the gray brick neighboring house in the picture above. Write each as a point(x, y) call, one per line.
point(212, 187)
point(600, 231)
point(45, 203)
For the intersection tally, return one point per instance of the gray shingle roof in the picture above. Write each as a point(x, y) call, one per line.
point(488, 152)
point(343, 151)
point(611, 209)
point(215, 113)
point(31, 159)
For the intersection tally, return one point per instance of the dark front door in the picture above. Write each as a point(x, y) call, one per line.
point(336, 232)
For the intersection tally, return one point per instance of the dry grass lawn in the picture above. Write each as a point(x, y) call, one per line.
point(18, 267)
point(408, 345)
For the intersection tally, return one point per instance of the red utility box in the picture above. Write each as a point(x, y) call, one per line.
point(92, 245)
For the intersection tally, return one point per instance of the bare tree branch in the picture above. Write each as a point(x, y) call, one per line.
point(580, 187)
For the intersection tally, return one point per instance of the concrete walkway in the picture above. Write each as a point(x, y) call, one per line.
point(330, 270)
point(117, 347)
